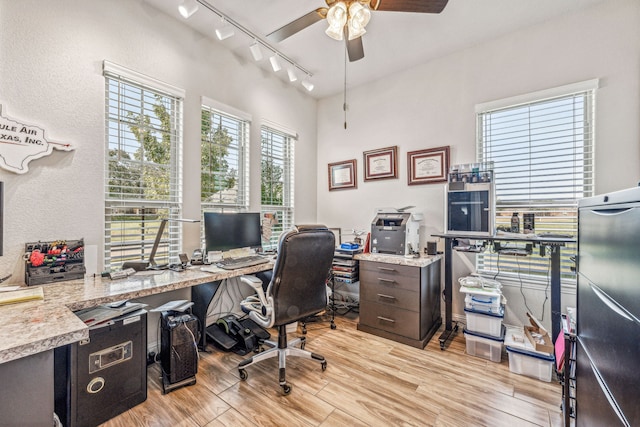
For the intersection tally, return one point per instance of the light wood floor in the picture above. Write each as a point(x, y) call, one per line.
point(369, 381)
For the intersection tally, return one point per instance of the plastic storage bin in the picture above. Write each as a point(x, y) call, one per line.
point(524, 360)
point(485, 323)
point(485, 303)
point(485, 346)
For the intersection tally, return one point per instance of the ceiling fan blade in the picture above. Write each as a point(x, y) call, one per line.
point(419, 6)
point(299, 24)
point(355, 50)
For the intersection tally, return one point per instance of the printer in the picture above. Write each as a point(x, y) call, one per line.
point(396, 232)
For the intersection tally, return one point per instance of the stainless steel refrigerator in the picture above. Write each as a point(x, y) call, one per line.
point(608, 307)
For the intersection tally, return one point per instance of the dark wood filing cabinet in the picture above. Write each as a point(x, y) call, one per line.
point(400, 298)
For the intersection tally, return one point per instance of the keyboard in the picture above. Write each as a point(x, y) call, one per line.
point(242, 262)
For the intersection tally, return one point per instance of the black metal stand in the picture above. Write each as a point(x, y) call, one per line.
point(553, 244)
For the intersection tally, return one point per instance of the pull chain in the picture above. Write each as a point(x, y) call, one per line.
point(344, 105)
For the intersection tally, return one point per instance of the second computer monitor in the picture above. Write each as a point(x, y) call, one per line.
point(226, 231)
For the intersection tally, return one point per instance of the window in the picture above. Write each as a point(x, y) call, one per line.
point(542, 152)
point(277, 183)
point(224, 176)
point(143, 179)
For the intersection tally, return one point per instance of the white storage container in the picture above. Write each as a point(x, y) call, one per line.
point(524, 360)
point(485, 303)
point(485, 323)
point(484, 346)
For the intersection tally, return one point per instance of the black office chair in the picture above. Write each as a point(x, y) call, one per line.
point(297, 290)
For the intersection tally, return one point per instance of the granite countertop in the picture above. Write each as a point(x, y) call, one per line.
point(35, 326)
point(421, 261)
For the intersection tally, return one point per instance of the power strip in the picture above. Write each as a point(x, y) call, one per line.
point(122, 274)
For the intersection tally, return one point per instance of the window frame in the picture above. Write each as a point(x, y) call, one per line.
point(534, 269)
point(277, 218)
point(141, 215)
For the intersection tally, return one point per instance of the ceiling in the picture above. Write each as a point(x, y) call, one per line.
point(394, 40)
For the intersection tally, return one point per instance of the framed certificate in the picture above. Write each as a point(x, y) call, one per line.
point(381, 163)
point(428, 166)
point(342, 175)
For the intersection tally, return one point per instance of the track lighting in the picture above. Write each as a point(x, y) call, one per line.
point(259, 49)
point(187, 8)
point(292, 74)
point(307, 84)
point(256, 52)
point(225, 31)
point(275, 64)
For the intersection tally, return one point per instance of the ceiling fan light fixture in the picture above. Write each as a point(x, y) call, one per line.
point(187, 8)
point(292, 74)
point(337, 18)
point(275, 63)
point(256, 52)
point(359, 17)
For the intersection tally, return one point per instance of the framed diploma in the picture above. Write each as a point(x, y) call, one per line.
point(342, 175)
point(428, 166)
point(381, 163)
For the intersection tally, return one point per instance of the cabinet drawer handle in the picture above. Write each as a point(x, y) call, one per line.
point(387, 296)
point(386, 269)
point(386, 319)
point(380, 279)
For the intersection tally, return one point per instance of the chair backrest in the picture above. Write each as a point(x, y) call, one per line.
point(298, 284)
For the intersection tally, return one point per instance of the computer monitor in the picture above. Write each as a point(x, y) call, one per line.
point(226, 231)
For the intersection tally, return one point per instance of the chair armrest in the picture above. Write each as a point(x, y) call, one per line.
point(259, 308)
point(252, 281)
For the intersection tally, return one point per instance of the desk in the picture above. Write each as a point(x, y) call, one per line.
point(32, 327)
point(552, 244)
point(31, 330)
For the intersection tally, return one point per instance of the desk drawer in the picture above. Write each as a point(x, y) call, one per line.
point(390, 295)
point(391, 278)
point(390, 319)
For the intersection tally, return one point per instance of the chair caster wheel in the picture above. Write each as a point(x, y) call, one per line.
point(286, 389)
point(333, 326)
point(304, 331)
point(243, 374)
point(323, 365)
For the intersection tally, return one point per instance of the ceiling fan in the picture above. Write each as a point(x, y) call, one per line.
point(348, 18)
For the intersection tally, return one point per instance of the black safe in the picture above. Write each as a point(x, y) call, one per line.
point(97, 379)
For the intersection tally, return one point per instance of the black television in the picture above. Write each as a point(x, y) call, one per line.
point(226, 231)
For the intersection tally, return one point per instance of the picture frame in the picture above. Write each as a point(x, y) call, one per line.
point(381, 163)
point(428, 166)
point(343, 175)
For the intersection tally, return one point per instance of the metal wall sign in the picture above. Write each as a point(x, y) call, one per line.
point(21, 143)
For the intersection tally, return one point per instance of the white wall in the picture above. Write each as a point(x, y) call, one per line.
point(51, 56)
point(433, 105)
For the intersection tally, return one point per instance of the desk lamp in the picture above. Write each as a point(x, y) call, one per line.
point(151, 264)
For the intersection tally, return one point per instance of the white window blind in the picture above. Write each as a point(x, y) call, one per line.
point(542, 151)
point(224, 160)
point(143, 176)
point(277, 178)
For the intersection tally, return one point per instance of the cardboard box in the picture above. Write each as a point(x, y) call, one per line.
point(538, 336)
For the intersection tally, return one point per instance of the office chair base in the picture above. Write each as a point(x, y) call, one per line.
point(281, 352)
